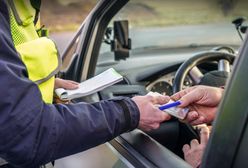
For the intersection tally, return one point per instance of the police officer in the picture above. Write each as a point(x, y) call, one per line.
point(33, 131)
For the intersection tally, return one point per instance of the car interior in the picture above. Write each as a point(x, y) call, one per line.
point(104, 41)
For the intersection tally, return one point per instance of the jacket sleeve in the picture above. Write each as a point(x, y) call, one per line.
point(34, 133)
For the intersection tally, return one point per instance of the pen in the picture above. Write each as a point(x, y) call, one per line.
point(169, 105)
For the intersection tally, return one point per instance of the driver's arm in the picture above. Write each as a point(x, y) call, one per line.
point(202, 102)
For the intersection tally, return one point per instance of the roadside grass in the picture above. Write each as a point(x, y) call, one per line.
point(143, 13)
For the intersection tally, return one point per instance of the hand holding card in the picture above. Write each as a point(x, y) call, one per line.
point(172, 109)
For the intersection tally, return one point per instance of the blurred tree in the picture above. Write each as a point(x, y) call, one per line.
point(227, 5)
point(60, 15)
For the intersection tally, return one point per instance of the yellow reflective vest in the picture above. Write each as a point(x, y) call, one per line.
point(39, 54)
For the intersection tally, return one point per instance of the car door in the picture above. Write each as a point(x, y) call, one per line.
point(228, 142)
point(130, 146)
point(138, 148)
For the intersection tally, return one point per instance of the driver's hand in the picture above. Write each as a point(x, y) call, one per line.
point(202, 102)
point(150, 115)
point(193, 152)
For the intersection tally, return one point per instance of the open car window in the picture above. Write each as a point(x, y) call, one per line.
point(168, 23)
point(164, 34)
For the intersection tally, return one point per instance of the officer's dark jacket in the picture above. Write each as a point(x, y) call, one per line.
point(32, 132)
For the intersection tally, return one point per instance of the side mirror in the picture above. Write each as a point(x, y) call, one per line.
point(121, 44)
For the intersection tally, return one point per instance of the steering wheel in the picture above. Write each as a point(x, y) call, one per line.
point(213, 78)
point(185, 132)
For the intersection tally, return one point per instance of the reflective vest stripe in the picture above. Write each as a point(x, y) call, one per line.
point(12, 6)
point(40, 55)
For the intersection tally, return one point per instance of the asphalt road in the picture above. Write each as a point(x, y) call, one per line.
point(223, 33)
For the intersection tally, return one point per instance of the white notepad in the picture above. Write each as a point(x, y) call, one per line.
point(90, 86)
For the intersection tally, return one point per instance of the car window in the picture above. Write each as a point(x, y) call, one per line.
point(174, 23)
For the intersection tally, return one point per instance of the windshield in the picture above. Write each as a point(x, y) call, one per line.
point(174, 23)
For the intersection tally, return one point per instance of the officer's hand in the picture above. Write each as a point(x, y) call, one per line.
point(66, 84)
point(202, 102)
point(150, 115)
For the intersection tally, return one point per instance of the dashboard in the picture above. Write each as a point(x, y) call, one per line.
point(163, 85)
point(152, 69)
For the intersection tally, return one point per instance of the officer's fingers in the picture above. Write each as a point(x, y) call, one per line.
point(186, 148)
point(72, 85)
point(160, 116)
point(204, 135)
point(72, 82)
point(150, 126)
point(153, 93)
point(165, 117)
point(155, 126)
point(66, 84)
point(147, 129)
point(69, 85)
point(160, 99)
point(157, 98)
